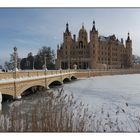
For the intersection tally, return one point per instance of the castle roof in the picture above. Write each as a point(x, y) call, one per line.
point(104, 39)
point(107, 39)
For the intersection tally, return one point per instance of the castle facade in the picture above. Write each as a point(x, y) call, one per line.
point(99, 52)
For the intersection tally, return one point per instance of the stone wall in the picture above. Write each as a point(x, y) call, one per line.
point(92, 73)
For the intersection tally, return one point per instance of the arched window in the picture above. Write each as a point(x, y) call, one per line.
point(81, 44)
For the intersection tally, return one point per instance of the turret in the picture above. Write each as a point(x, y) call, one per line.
point(129, 51)
point(67, 34)
point(129, 41)
point(94, 34)
point(74, 38)
point(67, 44)
point(67, 28)
point(94, 46)
point(93, 28)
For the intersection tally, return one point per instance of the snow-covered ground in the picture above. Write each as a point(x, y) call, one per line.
point(114, 100)
point(107, 90)
point(118, 96)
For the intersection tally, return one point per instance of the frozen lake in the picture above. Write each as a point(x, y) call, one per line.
point(107, 91)
point(114, 101)
point(113, 98)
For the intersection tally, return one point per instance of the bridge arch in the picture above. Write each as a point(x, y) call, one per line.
point(32, 90)
point(73, 77)
point(54, 83)
point(66, 80)
point(22, 90)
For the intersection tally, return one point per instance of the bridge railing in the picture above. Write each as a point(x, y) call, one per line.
point(6, 75)
point(30, 73)
point(90, 72)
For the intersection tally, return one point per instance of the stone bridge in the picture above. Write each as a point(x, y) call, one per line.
point(15, 83)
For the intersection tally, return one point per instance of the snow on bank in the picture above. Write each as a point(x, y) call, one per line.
point(115, 96)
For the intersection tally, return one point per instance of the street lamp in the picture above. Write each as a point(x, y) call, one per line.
point(45, 56)
point(15, 72)
point(15, 59)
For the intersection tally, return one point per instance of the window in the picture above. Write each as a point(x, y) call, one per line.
point(81, 44)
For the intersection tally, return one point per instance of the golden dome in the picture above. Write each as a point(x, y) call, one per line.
point(82, 31)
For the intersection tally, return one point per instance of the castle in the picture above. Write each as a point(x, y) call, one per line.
point(99, 53)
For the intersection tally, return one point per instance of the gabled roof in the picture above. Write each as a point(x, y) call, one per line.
point(107, 39)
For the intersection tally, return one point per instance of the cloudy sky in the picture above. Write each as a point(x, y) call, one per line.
point(30, 29)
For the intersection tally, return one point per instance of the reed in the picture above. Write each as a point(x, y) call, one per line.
point(59, 112)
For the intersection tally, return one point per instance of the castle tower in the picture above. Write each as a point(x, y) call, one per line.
point(82, 39)
point(129, 51)
point(93, 46)
point(67, 45)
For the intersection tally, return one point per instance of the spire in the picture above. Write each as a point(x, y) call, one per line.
point(93, 22)
point(67, 27)
point(128, 38)
point(82, 25)
point(93, 28)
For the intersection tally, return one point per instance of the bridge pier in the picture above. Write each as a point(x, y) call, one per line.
point(47, 87)
point(18, 97)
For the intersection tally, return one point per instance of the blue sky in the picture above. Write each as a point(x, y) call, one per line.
point(30, 29)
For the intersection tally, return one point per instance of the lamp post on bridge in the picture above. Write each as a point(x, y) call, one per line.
point(15, 70)
point(15, 59)
point(45, 67)
point(45, 62)
point(15, 62)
